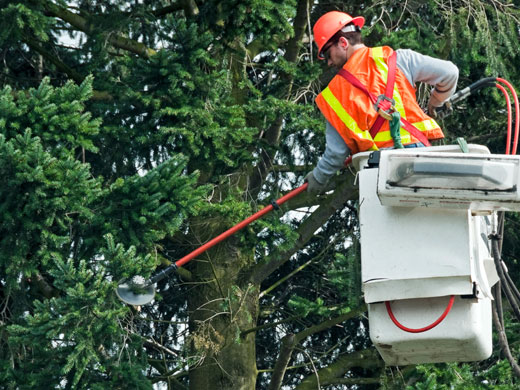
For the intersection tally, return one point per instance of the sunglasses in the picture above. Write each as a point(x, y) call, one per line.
point(325, 52)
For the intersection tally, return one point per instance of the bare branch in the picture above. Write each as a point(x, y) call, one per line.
point(269, 325)
point(288, 168)
point(189, 6)
point(286, 349)
point(330, 323)
point(156, 345)
point(282, 280)
point(87, 27)
point(290, 341)
point(352, 381)
point(43, 286)
point(61, 66)
point(285, 278)
point(367, 358)
point(345, 191)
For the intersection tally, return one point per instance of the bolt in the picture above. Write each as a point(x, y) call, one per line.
point(138, 281)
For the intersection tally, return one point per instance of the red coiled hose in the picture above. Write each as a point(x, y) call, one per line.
point(420, 330)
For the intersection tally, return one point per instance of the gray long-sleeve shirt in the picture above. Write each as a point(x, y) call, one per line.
point(443, 75)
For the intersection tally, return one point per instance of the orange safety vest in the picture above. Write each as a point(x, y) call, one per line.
point(352, 114)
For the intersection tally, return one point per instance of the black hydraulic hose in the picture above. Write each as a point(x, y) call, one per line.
point(447, 109)
point(501, 273)
point(512, 285)
point(508, 281)
point(501, 286)
point(502, 337)
point(470, 89)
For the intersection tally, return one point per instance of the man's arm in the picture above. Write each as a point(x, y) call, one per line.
point(417, 67)
point(336, 151)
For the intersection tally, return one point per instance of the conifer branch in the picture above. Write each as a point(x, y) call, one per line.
point(272, 135)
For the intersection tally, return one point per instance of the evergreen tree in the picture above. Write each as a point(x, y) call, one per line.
point(133, 132)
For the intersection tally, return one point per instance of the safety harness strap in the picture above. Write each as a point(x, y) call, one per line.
point(389, 93)
point(385, 103)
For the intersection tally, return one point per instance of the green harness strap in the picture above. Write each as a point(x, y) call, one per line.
point(395, 133)
point(395, 130)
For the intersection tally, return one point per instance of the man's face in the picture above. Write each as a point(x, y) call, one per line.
point(336, 54)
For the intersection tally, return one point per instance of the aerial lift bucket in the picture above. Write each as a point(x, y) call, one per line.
point(427, 270)
point(425, 216)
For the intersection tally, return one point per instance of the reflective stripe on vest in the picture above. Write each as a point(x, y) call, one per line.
point(349, 122)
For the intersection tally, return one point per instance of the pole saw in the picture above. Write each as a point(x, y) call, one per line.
point(138, 291)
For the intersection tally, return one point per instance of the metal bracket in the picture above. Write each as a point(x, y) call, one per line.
point(386, 114)
point(373, 159)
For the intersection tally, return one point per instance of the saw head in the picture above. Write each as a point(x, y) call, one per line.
point(136, 291)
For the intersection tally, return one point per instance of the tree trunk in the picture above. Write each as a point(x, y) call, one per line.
point(221, 307)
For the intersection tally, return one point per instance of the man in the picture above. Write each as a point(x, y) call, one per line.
point(372, 87)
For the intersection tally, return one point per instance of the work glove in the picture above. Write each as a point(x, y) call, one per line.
point(314, 187)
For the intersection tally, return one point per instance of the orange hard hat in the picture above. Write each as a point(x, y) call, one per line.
point(329, 24)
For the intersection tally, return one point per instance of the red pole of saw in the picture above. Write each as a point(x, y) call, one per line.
point(190, 256)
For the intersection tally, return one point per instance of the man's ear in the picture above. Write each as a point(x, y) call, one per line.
point(343, 42)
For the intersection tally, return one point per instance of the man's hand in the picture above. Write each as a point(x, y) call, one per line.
point(440, 112)
point(438, 109)
point(433, 105)
point(315, 187)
